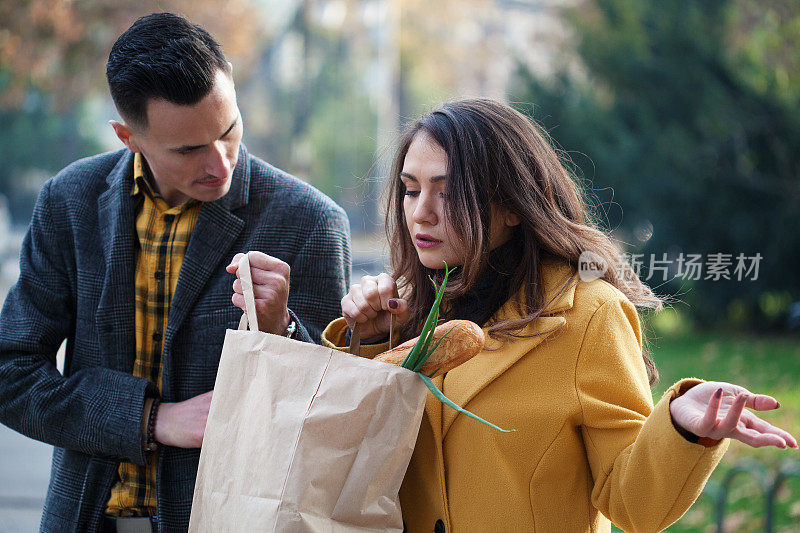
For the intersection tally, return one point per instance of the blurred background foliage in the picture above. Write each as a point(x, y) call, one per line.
point(682, 117)
point(686, 113)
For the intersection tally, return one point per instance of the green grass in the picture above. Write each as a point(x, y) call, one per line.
point(762, 364)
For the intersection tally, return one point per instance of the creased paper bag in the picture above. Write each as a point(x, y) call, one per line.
point(303, 438)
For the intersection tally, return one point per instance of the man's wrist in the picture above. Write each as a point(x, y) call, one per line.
point(148, 404)
point(290, 329)
point(149, 442)
point(288, 325)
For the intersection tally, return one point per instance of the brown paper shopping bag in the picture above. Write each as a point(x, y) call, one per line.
point(303, 438)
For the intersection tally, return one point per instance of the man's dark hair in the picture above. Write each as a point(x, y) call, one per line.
point(161, 56)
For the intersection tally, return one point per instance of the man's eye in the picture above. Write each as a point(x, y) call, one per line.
point(187, 151)
point(413, 194)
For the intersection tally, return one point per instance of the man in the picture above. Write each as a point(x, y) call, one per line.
point(126, 258)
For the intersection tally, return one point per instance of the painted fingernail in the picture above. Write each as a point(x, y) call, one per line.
point(393, 304)
point(718, 394)
point(779, 405)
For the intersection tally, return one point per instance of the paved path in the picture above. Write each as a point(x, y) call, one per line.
point(24, 474)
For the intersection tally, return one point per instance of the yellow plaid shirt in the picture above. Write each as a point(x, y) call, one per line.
point(163, 234)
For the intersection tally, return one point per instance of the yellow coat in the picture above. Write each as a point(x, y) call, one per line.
point(588, 439)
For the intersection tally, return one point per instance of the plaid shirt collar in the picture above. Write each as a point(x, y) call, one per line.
point(142, 184)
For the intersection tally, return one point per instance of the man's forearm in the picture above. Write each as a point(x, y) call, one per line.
point(96, 411)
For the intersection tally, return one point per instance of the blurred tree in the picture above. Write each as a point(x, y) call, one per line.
point(61, 46)
point(34, 142)
point(52, 60)
point(320, 91)
point(307, 103)
point(689, 111)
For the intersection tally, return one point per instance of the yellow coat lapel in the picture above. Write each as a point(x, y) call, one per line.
point(467, 380)
point(433, 410)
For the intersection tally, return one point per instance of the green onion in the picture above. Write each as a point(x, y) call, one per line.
point(419, 350)
point(419, 354)
point(447, 401)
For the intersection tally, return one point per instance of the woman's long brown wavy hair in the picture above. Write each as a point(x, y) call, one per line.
point(498, 156)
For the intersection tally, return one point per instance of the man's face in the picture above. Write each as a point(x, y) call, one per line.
point(191, 150)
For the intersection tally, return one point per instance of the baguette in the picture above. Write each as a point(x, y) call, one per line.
point(462, 343)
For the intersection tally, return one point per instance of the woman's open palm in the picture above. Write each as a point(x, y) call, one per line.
point(717, 410)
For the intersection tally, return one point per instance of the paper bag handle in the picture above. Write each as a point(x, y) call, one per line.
point(355, 340)
point(355, 337)
point(246, 278)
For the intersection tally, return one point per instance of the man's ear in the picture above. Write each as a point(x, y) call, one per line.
point(125, 134)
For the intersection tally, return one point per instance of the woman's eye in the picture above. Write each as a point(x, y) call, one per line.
point(413, 194)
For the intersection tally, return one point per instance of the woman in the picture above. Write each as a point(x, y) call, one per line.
point(475, 185)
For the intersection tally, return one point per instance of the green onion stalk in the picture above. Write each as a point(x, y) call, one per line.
point(421, 351)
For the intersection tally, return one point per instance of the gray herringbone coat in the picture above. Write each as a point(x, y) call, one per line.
point(77, 283)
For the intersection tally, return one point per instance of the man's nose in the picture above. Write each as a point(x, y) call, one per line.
point(218, 164)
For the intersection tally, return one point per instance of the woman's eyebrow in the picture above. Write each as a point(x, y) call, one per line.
point(412, 178)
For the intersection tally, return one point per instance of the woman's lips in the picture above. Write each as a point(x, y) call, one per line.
point(426, 241)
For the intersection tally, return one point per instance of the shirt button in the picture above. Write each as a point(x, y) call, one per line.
point(159, 274)
point(439, 527)
point(157, 337)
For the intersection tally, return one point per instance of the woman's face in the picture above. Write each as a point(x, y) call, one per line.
point(423, 175)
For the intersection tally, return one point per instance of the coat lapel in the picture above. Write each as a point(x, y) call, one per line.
point(115, 311)
point(467, 380)
point(433, 410)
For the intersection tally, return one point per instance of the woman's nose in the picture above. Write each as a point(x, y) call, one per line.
point(426, 210)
